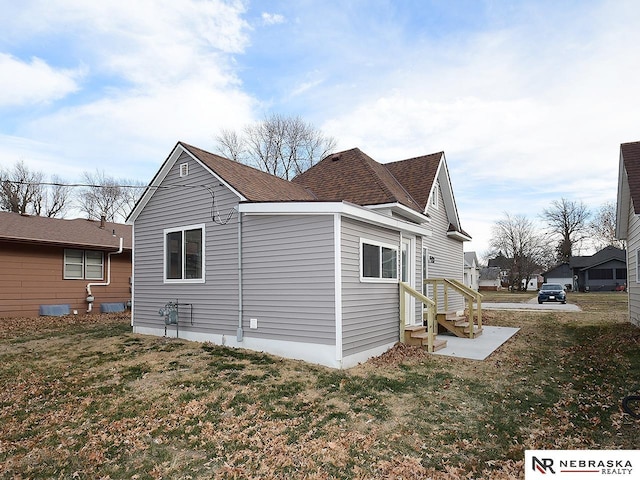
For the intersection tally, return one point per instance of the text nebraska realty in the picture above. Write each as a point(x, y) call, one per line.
point(605, 467)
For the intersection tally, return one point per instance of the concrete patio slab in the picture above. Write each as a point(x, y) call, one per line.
point(477, 348)
point(535, 306)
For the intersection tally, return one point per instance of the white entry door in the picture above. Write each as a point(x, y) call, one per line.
point(407, 273)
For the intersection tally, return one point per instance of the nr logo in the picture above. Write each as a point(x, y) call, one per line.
point(542, 465)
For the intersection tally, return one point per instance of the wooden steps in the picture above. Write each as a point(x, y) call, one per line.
point(417, 335)
point(458, 325)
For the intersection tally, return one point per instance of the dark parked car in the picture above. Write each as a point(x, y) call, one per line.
point(552, 292)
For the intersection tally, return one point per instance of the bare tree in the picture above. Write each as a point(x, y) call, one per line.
point(56, 199)
point(567, 221)
point(131, 191)
point(517, 239)
point(602, 227)
point(280, 145)
point(101, 196)
point(231, 145)
point(26, 192)
point(105, 196)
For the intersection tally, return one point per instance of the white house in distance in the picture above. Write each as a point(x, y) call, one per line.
point(471, 271)
point(306, 269)
point(628, 222)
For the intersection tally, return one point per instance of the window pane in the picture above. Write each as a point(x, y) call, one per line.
point(174, 255)
point(73, 263)
point(389, 263)
point(621, 273)
point(73, 271)
point(601, 274)
point(93, 265)
point(193, 253)
point(370, 261)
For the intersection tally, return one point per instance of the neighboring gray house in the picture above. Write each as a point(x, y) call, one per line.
point(562, 274)
point(471, 271)
point(628, 222)
point(307, 269)
point(605, 270)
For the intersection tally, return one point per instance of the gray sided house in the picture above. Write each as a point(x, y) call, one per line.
point(628, 221)
point(307, 269)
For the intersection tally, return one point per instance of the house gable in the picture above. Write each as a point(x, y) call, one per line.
point(424, 177)
point(247, 183)
point(628, 186)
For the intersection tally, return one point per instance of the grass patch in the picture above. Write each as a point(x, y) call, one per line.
point(96, 401)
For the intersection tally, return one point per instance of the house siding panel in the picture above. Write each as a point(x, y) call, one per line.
point(32, 275)
point(633, 285)
point(185, 201)
point(289, 278)
point(370, 311)
point(447, 252)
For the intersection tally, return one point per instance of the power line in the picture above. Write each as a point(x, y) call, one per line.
point(89, 185)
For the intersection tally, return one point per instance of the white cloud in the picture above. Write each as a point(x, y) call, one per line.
point(34, 82)
point(272, 18)
point(163, 70)
point(525, 115)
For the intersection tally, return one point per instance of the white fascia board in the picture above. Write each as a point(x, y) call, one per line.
point(623, 203)
point(459, 236)
point(447, 191)
point(329, 208)
point(162, 173)
point(401, 210)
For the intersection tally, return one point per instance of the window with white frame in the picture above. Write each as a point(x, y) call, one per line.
point(184, 254)
point(638, 266)
point(378, 261)
point(434, 195)
point(83, 264)
point(184, 169)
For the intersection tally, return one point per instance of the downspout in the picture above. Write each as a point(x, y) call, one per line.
point(240, 309)
point(90, 298)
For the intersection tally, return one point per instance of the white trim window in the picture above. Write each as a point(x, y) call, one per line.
point(434, 195)
point(184, 169)
point(184, 254)
point(638, 265)
point(378, 261)
point(83, 264)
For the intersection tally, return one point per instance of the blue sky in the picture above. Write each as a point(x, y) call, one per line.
point(529, 100)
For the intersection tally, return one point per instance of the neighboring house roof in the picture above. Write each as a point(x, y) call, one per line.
point(500, 261)
point(470, 259)
point(561, 270)
point(605, 255)
point(628, 186)
point(355, 177)
point(78, 232)
point(490, 273)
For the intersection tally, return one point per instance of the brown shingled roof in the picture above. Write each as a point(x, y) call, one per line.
point(55, 231)
point(355, 177)
point(631, 156)
point(417, 175)
point(253, 184)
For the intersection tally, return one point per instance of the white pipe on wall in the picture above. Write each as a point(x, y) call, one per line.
point(102, 284)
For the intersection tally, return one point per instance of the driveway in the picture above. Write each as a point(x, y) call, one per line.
point(532, 305)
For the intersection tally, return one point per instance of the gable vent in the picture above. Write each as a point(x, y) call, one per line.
point(184, 169)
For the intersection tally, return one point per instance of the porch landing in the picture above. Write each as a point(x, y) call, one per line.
point(478, 348)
